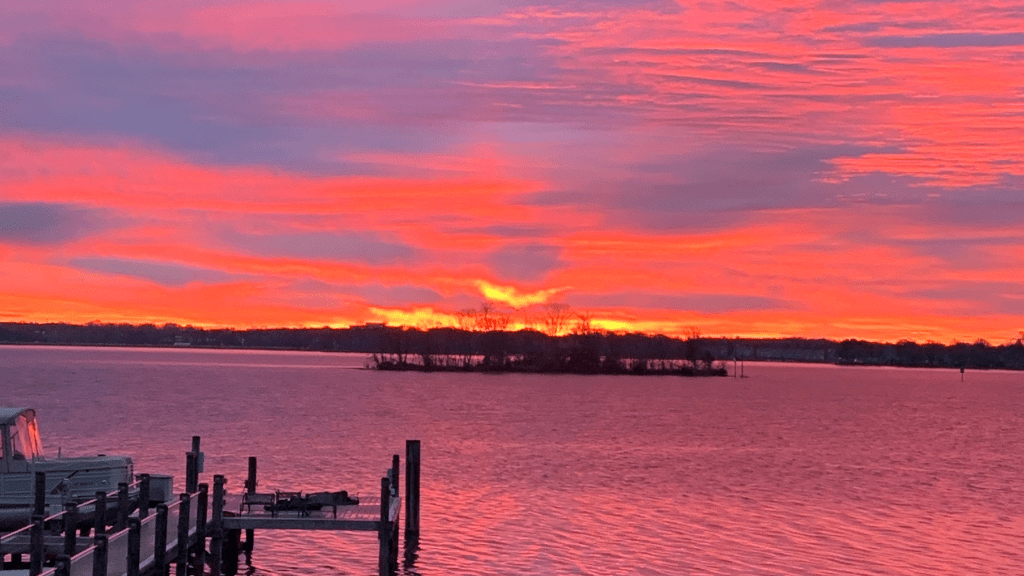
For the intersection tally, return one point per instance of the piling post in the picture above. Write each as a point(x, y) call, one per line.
point(160, 540)
point(39, 507)
point(62, 566)
point(199, 457)
point(134, 546)
point(396, 467)
point(250, 487)
point(99, 555)
point(201, 507)
point(181, 564)
point(395, 475)
point(217, 526)
point(231, 552)
point(191, 476)
point(36, 547)
point(100, 514)
point(70, 528)
point(412, 491)
point(250, 482)
point(384, 528)
point(394, 548)
point(122, 506)
point(144, 488)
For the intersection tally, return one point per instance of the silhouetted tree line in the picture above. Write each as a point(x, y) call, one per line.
point(979, 355)
point(452, 349)
point(583, 351)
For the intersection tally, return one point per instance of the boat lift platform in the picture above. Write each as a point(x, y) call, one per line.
point(364, 516)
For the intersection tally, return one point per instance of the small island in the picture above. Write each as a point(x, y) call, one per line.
point(531, 351)
point(576, 362)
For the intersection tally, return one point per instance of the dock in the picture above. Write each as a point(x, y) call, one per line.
point(200, 532)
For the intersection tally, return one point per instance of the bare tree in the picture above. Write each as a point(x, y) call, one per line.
point(485, 317)
point(502, 319)
point(466, 319)
point(529, 322)
point(583, 323)
point(556, 318)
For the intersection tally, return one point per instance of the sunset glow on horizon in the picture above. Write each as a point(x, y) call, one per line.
point(849, 169)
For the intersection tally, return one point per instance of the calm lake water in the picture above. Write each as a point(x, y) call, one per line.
point(800, 470)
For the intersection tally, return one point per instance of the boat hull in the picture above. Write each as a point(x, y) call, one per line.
point(67, 480)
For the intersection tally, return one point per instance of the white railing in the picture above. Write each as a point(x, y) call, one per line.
point(117, 543)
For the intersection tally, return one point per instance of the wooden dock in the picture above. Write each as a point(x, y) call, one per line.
point(198, 536)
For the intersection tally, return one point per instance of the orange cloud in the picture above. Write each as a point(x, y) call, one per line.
point(513, 297)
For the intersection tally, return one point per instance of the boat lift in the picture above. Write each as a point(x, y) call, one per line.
point(198, 536)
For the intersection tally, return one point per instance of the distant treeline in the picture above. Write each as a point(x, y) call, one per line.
point(455, 348)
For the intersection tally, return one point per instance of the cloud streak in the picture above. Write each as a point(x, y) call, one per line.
point(813, 168)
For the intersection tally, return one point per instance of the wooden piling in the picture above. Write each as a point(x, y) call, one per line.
point(191, 475)
point(144, 489)
point(70, 528)
point(160, 540)
point(181, 564)
point(393, 566)
point(39, 506)
point(199, 460)
point(122, 507)
point(231, 552)
point(134, 546)
point(384, 530)
point(393, 526)
point(201, 507)
point(396, 468)
point(412, 491)
point(217, 526)
point(250, 487)
point(100, 514)
point(36, 546)
point(99, 555)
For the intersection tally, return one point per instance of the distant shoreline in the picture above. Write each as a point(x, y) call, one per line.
point(388, 340)
point(457, 370)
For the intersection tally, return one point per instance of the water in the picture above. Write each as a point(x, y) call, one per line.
point(797, 470)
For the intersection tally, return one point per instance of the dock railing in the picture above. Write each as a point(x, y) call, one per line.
point(33, 537)
point(112, 554)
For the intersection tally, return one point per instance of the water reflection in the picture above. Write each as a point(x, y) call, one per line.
point(794, 471)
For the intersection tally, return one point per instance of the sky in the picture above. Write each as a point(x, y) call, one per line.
point(817, 168)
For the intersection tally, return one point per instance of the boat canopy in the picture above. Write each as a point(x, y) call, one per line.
point(20, 434)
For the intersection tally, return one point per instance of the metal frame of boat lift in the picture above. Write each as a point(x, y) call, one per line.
point(139, 543)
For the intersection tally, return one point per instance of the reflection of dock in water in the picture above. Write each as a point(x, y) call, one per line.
point(201, 535)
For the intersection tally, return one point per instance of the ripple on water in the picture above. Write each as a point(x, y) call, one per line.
point(795, 471)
